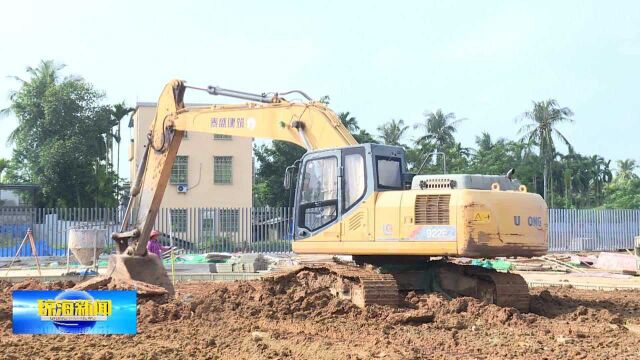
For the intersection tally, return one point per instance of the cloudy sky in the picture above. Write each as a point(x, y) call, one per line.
point(486, 61)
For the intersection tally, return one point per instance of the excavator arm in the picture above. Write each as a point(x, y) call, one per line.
point(308, 124)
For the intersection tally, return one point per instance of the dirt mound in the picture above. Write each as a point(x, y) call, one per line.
point(144, 290)
point(7, 287)
point(304, 295)
point(461, 313)
point(35, 284)
point(297, 318)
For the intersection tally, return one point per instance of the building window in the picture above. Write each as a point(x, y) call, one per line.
point(229, 220)
point(222, 137)
point(180, 170)
point(207, 226)
point(207, 223)
point(179, 220)
point(222, 169)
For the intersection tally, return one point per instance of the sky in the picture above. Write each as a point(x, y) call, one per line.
point(485, 61)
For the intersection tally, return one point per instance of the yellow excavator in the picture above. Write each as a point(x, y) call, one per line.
point(352, 199)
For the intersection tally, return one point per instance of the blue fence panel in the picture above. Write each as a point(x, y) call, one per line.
point(270, 230)
point(592, 229)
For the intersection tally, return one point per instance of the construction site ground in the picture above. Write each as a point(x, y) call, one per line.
point(299, 319)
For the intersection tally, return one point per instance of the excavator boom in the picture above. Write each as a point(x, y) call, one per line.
point(310, 125)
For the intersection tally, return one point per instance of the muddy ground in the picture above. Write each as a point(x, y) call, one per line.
point(299, 319)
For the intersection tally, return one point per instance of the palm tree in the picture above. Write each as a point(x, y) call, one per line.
point(484, 141)
point(349, 122)
point(541, 130)
point(439, 128)
point(600, 175)
point(626, 170)
point(43, 77)
point(391, 132)
point(118, 112)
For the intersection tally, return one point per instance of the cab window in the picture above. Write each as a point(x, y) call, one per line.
point(319, 193)
point(389, 172)
point(354, 179)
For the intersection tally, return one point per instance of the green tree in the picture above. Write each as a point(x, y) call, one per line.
point(272, 161)
point(118, 112)
point(439, 129)
point(59, 140)
point(600, 176)
point(576, 179)
point(540, 130)
point(623, 194)
point(626, 170)
point(349, 121)
point(362, 136)
point(392, 132)
point(484, 142)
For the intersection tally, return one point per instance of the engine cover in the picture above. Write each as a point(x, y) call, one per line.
point(463, 181)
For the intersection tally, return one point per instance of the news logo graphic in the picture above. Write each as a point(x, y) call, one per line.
point(74, 312)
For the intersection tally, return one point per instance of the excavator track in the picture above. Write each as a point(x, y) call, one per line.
point(502, 289)
point(510, 290)
point(365, 285)
point(361, 285)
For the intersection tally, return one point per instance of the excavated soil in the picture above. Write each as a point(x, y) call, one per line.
point(297, 318)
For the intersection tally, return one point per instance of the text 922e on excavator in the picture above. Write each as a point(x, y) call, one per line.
point(350, 199)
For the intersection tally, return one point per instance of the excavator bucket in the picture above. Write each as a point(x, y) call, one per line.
point(145, 274)
point(139, 269)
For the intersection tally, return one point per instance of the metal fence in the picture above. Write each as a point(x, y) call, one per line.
point(200, 230)
point(197, 230)
point(268, 230)
point(592, 229)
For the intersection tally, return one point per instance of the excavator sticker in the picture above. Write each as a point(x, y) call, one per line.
point(434, 233)
point(482, 217)
point(227, 123)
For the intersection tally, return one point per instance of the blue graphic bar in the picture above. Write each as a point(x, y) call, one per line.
point(74, 312)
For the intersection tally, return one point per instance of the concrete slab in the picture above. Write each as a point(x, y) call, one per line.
point(590, 280)
point(617, 262)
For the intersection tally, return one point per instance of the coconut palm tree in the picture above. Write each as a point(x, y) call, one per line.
point(484, 141)
point(438, 128)
point(391, 132)
point(43, 78)
point(541, 130)
point(626, 170)
point(600, 175)
point(118, 112)
point(349, 122)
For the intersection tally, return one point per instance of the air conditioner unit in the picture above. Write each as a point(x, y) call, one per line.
point(182, 188)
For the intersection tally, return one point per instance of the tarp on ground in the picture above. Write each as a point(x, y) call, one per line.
point(493, 264)
point(42, 248)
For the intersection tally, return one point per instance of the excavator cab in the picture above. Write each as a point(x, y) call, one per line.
point(332, 183)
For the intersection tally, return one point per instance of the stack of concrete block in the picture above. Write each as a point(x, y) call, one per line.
point(246, 263)
point(251, 263)
point(214, 257)
point(221, 268)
